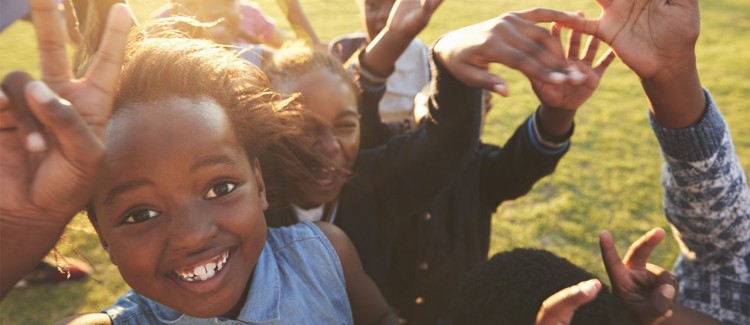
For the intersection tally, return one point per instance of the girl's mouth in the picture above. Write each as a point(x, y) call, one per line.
point(325, 177)
point(204, 270)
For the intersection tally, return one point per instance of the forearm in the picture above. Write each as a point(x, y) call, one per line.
point(381, 54)
point(298, 20)
point(22, 247)
point(676, 95)
point(511, 171)
point(705, 188)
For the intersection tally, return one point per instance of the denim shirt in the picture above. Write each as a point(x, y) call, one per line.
point(298, 280)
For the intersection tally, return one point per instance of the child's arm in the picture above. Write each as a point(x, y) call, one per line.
point(560, 102)
point(298, 20)
point(367, 303)
point(540, 142)
point(407, 19)
point(646, 289)
point(45, 181)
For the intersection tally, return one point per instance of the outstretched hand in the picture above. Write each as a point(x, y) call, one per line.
point(567, 96)
point(650, 36)
point(51, 139)
point(410, 17)
point(647, 290)
point(514, 40)
point(561, 306)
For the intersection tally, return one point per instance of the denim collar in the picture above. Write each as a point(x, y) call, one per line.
point(264, 297)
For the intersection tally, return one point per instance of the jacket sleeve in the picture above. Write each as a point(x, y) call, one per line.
point(706, 197)
point(511, 171)
point(411, 169)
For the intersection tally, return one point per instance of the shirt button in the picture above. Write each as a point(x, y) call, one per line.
point(424, 266)
point(427, 216)
point(419, 300)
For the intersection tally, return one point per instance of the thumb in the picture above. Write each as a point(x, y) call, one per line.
point(478, 77)
point(76, 141)
point(561, 306)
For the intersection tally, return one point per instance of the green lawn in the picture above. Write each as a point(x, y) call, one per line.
point(608, 180)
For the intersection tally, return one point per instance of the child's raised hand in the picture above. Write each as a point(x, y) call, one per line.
point(568, 96)
point(410, 17)
point(512, 39)
point(646, 289)
point(93, 94)
point(50, 147)
point(649, 36)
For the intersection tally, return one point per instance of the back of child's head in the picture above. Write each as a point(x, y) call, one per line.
point(511, 286)
point(296, 59)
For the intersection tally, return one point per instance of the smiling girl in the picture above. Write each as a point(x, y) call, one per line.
point(179, 201)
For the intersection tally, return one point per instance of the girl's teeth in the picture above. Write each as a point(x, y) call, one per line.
point(204, 272)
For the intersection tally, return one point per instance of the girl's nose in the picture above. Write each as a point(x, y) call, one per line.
point(328, 144)
point(191, 228)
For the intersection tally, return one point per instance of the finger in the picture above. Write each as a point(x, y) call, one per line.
point(611, 258)
point(591, 47)
point(107, 64)
point(484, 79)
point(542, 15)
point(536, 42)
point(51, 41)
point(604, 3)
point(561, 306)
point(574, 45)
point(429, 6)
point(30, 128)
point(531, 67)
point(604, 62)
point(555, 32)
point(661, 301)
point(641, 249)
point(6, 115)
point(585, 26)
point(76, 140)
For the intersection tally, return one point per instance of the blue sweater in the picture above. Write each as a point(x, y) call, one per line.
point(707, 202)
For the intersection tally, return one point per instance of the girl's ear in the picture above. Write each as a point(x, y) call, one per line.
point(258, 174)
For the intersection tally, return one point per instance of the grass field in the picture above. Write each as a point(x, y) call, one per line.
point(608, 180)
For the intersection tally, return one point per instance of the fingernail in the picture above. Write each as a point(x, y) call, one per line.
point(667, 291)
point(40, 92)
point(3, 98)
point(588, 288)
point(668, 314)
point(35, 142)
point(500, 89)
point(557, 77)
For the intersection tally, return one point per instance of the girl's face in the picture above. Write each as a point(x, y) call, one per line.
point(180, 206)
point(332, 122)
point(375, 15)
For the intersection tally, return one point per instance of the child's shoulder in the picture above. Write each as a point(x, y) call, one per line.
point(300, 238)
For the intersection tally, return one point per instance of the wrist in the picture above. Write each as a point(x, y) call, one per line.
point(555, 123)
point(675, 94)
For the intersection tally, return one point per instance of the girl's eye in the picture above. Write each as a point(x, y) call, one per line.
point(220, 190)
point(141, 216)
point(346, 126)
